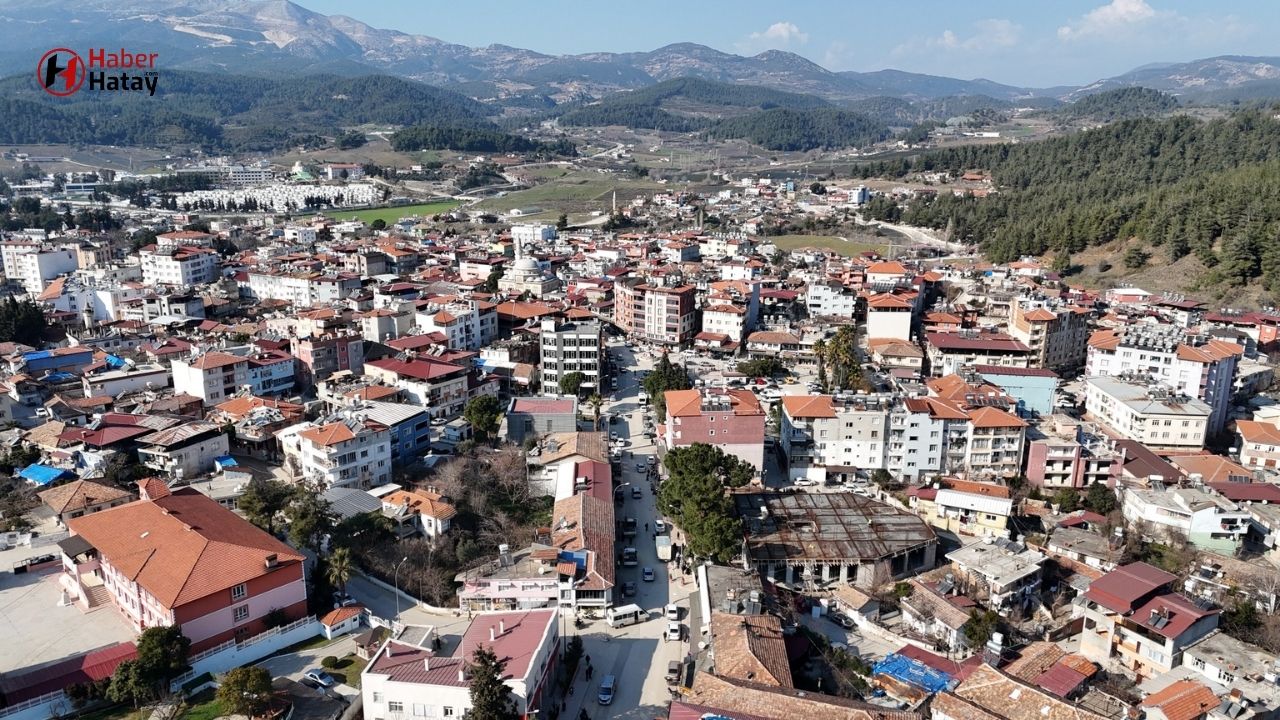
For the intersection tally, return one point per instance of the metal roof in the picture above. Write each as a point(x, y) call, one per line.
point(827, 527)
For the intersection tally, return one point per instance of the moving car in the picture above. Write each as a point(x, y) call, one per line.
point(321, 678)
point(628, 589)
point(659, 526)
point(641, 467)
point(646, 574)
point(636, 493)
point(608, 687)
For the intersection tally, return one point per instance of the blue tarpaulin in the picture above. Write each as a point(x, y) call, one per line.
point(59, 376)
point(226, 461)
point(912, 671)
point(42, 474)
point(115, 362)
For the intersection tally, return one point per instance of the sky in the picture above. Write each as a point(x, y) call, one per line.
point(1030, 43)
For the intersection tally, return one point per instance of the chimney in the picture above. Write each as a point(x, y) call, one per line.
point(271, 561)
point(492, 636)
point(426, 663)
point(502, 627)
point(462, 675)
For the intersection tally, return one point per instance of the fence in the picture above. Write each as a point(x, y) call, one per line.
point(231, 654)
point(37, 708)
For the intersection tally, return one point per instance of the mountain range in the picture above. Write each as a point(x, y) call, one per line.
point(280, 37)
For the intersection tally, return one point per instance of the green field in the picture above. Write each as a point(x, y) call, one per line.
point(392, 214)
point(844, 247)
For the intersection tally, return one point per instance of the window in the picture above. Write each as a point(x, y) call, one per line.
point(240, 613)
point(419, 710)
point(448, 711)
point(239, 592)
point(395, 707)
point(377, 697)
point(1227, 677)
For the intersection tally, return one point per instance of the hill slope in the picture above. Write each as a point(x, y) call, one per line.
point(1119, 104)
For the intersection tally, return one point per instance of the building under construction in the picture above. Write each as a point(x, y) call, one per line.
point(814, 539)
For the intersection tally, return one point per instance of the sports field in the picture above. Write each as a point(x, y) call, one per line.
point(826, 242)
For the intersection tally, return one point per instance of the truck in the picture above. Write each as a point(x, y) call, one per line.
point(662, 544)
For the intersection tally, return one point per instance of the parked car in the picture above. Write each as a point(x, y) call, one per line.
point(641, 467)
point(674, 631)
point(608, 686)
point(321, 678)
point(341, 599)
point(646, 574)
point(636, 493)
point(841, 619)
point(672, 611)
point(628, 589)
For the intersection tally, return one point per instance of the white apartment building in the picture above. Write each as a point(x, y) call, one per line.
point(345, 449)
point(300, 234)
point(405, 681)
point(830, 299)
point(1209, 521)
point(536, 234)
point(1190, 364)
point(135, 378)
point(822, 435)
point(33, 265)
point(571, 347)
point(1153, 416)
point(889, 316)
point(217, 375)
point(168, 265)
point(300, 289)
point(725, 319)
point(460, 323)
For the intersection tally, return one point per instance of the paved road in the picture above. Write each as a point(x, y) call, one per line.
point(295, 665)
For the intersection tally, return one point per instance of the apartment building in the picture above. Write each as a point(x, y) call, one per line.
point(655, 313)
point(441, 387)
point(179, 558)
point(927, 436)
point(1210, 521)
point(180, 265)
point(301, 289)
point(889, 316)
point(462, 323)
point(1134, 620)
point(346, 449)
point(964, 507)
point(184, 451)
point(320, 356)
point(1190, 364)
point(404, 680)
point(1058, 337)
point(1259, 444)
point(830, 299)
point(995, 443)
point(1153, 416)
point(1071, 455)
point(217, 375)
point(1005, 572)
point(949, 352)
point(731, 420)
point(569, 347)
point(826, 437)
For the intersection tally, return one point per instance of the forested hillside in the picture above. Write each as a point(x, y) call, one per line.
point(643, 108)
point(1119, 104)
point(435, 137)
point(229, 112)
point(1176, 185)
point(783, 129)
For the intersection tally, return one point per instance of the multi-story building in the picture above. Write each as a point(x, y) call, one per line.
point(950, 351)
point(135, 378)
point(184, 451)
point(409, 425)
point(1135, 621)
point(182, 559)
point(440, 387)
point(830, 437)
point(1058, 337)
point(212, 376)
point(1154, 416)
point(301, 289)
point(406, 681)
point(321, 356)
point(1074, 456)
point(1004, 572)
point(960, 506)
point(568, 348)
point(995, 443)
point(731, 420)
point(1259, 444)
point(723, 319)
point(927, 436)
point(180, 265)
point(345, 449)
point(830, 299)
point(889, 316)
point(1192, 365)
point(458, 322)
point(536, 416)
point(656, 313)
point(419, 512)
point(1208, 520)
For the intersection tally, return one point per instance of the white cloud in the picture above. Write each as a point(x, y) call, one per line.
point(1113, 19)
point(987, 35)
point(781, 34)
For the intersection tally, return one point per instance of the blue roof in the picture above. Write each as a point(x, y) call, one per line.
point(41, 474)
point(59, 376)
point(912, 671)
point(226, 461)
point(37, 355)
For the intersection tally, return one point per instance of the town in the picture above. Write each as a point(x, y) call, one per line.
point(650, 462)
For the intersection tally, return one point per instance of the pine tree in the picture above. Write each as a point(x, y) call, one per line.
point(490, 697)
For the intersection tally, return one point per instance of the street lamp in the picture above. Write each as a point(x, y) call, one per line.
point(395, 578)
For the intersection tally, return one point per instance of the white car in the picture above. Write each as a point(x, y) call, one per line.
point(674, 631)
point(660, 526)
point(805, 482)
point(321, 678)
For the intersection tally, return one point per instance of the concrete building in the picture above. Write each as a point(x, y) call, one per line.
point(1005, 572)
point(537, 416)
point(964, 507)
point(1152, 415)
point(1259, 444)
point(182, 559)
point(1208, 520)
point(1065, 453)
point(655, 313)
point(217, 375)
point(569, 347)
point(731, 420)
point(409, 426)
point(1135, 622)
point(951, 351)
point(33, 265)
point(889, 316)
point(441, 387)
point(1058, 337)
point(135, 378)
point(824, 436)
point(345, 449)
point(830, 299)
point(1033, 387)
point(1192, 365)
point(321, 356)
point(831, 538)
point(184, 451)
point(405, 680)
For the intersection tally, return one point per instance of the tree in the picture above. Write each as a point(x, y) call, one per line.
point(263, 501)
point(818, 189)
point(1100, 499)
point(762, 367)
point(485, 415)
point(1241, 619)
point(128, 685)
point(1136, 257)
point(378, 224)
point(162, 656)
point(245, 691)
point(571, 383)
point(310, 516)
point(694, 496)
point(22, 322)
point(340, 568)
point(1067, 500)
point(363, 530)
point(596, 402)
point(882, 478)
point(665, 376)
point(981, 626)
point(562, 222)
point(491, 282)
point(490, 697)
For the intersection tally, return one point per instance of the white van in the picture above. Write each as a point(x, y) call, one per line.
point(624, 615)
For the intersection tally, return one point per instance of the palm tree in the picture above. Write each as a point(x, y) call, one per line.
point(595, 401)
point(340, 568)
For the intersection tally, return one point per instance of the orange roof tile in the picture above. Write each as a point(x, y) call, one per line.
point(326, 435)
point(989, 417)
point(1258, 432)
point(1183, 700)
point(809, 406)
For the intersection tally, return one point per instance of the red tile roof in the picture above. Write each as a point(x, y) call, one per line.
point(97, 665)
point(1183, 700)
point(181, 547)
point(1123, 588)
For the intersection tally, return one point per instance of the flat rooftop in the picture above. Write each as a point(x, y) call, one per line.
point(1001, 564)
point(827, 527)
point(38, 632)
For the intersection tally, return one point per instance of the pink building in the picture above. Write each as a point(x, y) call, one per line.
point(182, 559)
point(731, 420)
point(320, 357)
